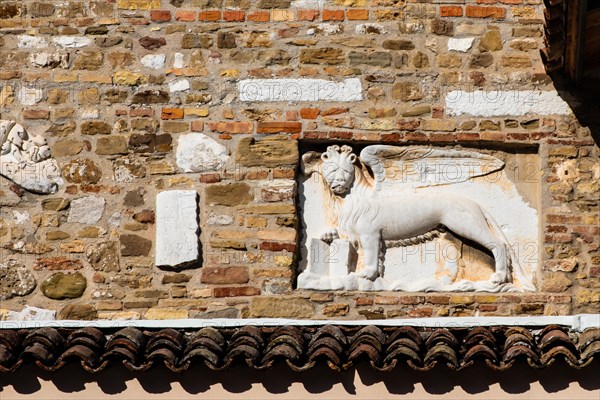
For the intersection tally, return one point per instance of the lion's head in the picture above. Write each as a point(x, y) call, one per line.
point(338, 168)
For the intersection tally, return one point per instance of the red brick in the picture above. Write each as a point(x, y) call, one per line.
point(357, 15)
point(197, 126)
point(210, 178)
point(364, 301)
point(511, 1)
point(172, 113)
point(441, 137)
point(451, 11)
point(236, 291)
point(421, 312)
point(36, 114)
point(315, 135)
point(310, 113)
point(213, 15)
point(465, 136)
point(284, 173)
point(335, 111)
point(487, 1)
point(333, 15)
point(277, 246)
point(416, 137)
point(220, 275)
point(408, 124)
point(308, 15)
point(259, 16)
point(340, 135)
point(185, 16)
point(279, 127)
point(141, 112)
point(234, 16)
point(291, 115)
point(138, 21)
point(231, 127)
point(485, 12)
point(160, 15)
point(391, 137)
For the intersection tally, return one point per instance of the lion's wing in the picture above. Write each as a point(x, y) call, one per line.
point(416, 166)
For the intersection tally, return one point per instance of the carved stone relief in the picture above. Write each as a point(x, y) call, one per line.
point(26, 160)
point(402, 218)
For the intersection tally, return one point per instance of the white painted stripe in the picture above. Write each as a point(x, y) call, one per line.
point(497, 103)
point(576, 322)
point(293, 90)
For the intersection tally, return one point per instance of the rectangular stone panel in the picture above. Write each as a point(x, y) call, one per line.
point(273, 90)
point(177, 228)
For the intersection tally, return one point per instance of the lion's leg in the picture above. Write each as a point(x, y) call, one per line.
point(473, 225)
point(370, 244)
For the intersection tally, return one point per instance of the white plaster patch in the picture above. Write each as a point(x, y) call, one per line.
point(72, 41)
point(30, 96)
point(179, 85)
point(154, 61)
point(31, 42)
point(176, 228)
point(505, 103)
point(299, 90)
point(197, 152)
point(308, 4)
point(86, 210)
point(20, 217)
point(460, 44)
point(115, 219)
point(178, 60)
point(44, 59)
point(365, 29)
point(328, 29)
point(219, 219)
point(32, 314)
point(90, 113)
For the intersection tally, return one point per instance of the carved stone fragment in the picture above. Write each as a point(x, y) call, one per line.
point(26, 160)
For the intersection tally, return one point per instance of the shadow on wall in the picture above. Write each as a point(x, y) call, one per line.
point(584, 100)
point(477, 379)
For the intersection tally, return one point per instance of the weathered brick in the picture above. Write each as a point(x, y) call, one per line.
point(485, 12)
point(236, 291)
point(231, 127)
point(279, 127)
point(225, 275)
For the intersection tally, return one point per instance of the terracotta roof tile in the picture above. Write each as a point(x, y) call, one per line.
point(300, 347)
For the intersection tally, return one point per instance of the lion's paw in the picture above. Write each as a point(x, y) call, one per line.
point(499, 278)
point(330, 235)
point(367, 273)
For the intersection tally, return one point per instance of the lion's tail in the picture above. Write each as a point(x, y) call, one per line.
point(515, 266)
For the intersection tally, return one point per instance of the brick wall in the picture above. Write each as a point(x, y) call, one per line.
point(114, 85)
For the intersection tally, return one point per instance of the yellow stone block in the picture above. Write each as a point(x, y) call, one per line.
point(96, 78)
point(230, 73)
point(196, 112)
point(118, 315)
point(129, 78)
point(76, 246)
point(166, 313)
point(59, 78)
point(138, 4)
point(282, 15)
